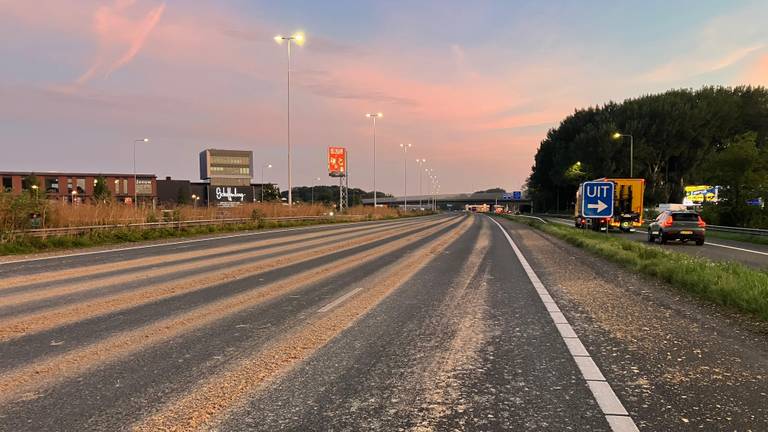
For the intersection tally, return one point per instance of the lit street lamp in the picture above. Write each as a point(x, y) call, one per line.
point(135, 183)
point(35, 188)
point(262, 180)
point(74, 196)
point(299, 39)
point(374, 116)
point(618, 135)
point(405, 148)
point(194, 200)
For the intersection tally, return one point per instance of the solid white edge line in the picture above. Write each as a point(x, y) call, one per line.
point(736, 248)
point(79, 254)
point(615, 414)
point(338, 301)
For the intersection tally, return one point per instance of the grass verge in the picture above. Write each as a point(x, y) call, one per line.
point(27, 244)
point(725, 283)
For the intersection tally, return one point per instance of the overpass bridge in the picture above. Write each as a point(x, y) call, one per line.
point(454, 201)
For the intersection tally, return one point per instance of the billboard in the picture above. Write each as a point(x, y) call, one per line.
point(698, 194)
point(227, 196)
point(337, 161)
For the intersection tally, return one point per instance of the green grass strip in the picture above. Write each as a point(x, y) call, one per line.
point(726, 283)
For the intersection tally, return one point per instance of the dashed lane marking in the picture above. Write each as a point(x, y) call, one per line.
point(615, 414)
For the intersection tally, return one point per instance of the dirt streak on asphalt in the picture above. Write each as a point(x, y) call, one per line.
point(25, 382)
point(441, 379)
point(27, 324)
point(142, 274)
point(225, 391)
point(95, 270)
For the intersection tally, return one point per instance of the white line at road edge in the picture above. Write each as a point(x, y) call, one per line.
point(79, 254)
point(338, 301)
point(736, 248)
point(614, 411)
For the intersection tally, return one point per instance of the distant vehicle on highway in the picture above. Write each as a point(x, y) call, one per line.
point(677, 225)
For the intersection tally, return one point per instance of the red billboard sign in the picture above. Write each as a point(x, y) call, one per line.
point(337, 161)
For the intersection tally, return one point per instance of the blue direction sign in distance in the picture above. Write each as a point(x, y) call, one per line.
point(597, 199)
point(517, 195)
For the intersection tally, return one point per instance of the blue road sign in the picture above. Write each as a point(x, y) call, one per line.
point(597, 199)
point(506, 197)
point(517, 195)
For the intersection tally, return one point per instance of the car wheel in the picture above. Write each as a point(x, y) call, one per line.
point(700, 242)
point(662, 238)
point(651, 238)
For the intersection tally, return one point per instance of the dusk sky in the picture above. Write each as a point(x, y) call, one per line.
point(473, 85)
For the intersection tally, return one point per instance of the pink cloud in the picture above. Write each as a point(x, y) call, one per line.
point(120, 38)
point(757, 73)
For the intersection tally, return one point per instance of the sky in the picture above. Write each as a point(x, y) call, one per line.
point(472, 86)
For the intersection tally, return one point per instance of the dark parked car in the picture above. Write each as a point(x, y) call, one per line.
point(677, 225)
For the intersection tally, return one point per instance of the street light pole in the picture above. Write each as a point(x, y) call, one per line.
point(299, 39)
point(618, 135)
point(419, 164)
point(262, 180)
point(405, 148)
point(135, 183)
point(374, 116)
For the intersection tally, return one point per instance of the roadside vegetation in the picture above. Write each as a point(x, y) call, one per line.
point(725, 283)
point(21, 215)
point(709, 136)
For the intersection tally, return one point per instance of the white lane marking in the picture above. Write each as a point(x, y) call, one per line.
point(338, 301)
point(615, 413)
point(736, 248)
point(79, 254)
point(606, 398)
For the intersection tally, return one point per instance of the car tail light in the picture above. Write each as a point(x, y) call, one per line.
point(702, 224)
point(667, 222)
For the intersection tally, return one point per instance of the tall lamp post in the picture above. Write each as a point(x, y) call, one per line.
point(419, 164)
point(262, 179)
point(405, 148)
point(299, 39)
point(618, 135)
point(374, 116)
point(135, 183)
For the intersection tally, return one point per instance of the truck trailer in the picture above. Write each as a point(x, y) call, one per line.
point(628, 206)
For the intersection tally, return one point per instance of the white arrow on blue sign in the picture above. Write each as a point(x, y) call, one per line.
point(597, 199)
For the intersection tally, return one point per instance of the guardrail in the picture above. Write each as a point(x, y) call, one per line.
point(738, 230)
point(77, 230)
point(716, 228)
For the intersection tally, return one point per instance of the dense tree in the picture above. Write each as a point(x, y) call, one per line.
point(676, 135)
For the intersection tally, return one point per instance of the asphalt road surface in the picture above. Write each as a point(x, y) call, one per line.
point(751, 254)
point(451, 322)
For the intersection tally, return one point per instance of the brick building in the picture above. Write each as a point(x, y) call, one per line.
point(78, 187)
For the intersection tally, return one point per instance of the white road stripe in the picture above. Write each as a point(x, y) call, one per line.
point(736, 248)
point(615, 413)
point(338, 301)
point(79, 254)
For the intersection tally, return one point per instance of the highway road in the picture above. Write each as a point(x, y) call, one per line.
point(753, 255)
point(449, 322)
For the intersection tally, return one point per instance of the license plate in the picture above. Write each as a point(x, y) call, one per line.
point(686, 232)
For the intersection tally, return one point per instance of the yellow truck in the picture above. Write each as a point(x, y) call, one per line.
point(628, 206)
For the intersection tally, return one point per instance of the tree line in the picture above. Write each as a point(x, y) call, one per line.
point(713, 135)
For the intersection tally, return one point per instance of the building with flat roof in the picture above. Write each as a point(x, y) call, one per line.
point(228, 174)
point(78, 187)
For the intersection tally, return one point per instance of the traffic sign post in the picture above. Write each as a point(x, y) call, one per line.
point(597, 199)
